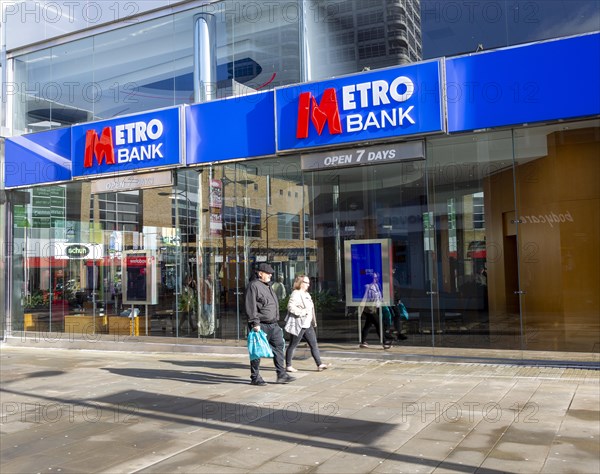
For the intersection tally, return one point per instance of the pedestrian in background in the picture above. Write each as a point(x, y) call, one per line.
point(369, 307)
point(395, 328)
point(262, 309)
point(207, 320)
point(301, 321)
point(279, 288)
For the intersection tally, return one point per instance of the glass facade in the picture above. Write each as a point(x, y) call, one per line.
point(492, 249)
point(494, 234)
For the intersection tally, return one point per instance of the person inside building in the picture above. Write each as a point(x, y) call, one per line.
point(394, 329)
point(301, 321)
point(262, 310)
point(279, 288)
point(187, 302)
point(369, 308)
point(206, 323)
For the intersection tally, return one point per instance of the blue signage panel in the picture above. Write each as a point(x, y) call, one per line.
point(367, 261)
point(37, 158)
point(125, 144)
point(393, 102)
point(544, 81)
point(239, 127)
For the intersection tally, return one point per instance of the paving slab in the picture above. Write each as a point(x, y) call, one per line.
point(82, 411)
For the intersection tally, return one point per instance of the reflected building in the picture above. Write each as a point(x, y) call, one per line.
point(353, 35)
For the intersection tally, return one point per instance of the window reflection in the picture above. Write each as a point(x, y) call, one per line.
point(85, 80)
point(452, 28)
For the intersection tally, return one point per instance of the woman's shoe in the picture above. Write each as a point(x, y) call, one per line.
point(364, 345)
point(322, 367)
point(290, 369)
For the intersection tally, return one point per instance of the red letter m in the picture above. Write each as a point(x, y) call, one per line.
point(102, 148)
point(327, 110)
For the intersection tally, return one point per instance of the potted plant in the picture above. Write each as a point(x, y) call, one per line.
point(36, 301)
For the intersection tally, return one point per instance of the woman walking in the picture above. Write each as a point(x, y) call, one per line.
point(301, 322)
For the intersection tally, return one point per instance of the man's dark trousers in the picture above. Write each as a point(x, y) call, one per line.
point(275, 338)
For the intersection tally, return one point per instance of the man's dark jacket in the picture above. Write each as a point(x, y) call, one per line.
point(261, 302)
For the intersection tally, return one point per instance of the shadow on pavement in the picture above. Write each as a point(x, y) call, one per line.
point(180, 376)
point(208, 364)
point(288, 423)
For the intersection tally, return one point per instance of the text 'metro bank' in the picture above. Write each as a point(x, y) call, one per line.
point(376, 105)
point(149, 140)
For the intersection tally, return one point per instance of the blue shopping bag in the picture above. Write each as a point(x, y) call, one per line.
point(258, 346)
point(387, 316)
point(403, 311)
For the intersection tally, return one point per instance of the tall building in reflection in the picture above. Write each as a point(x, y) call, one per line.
point(356, 34)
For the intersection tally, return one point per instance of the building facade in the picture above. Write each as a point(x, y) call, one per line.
point(178, 147)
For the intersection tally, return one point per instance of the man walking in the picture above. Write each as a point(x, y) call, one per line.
point(262, 309)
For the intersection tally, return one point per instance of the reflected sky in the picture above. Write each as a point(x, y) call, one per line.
point(457, 27)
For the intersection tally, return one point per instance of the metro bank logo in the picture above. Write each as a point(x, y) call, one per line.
point(363, 107)
point(135, 133)
point(373, 93)
point(326, 111)
point(127, 144)
point(101, 148)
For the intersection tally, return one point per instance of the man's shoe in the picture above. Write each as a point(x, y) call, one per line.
point(290, 369)
point(260, 382)
point(364, 345)
point(285, 379)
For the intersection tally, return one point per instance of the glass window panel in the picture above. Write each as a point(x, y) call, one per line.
point(257, 47)
point(60, 87)
point(128, 207)
point(34, 70)
point(129, 196)
point(82, 292)
point(288, 226)
point(72, 83)
point(371, 203)
point(474, 267)
point(557, 224)
point(140, 77)
point(330, 29)
point(451, 28)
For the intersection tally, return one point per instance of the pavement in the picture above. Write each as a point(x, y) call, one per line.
point(87, 411)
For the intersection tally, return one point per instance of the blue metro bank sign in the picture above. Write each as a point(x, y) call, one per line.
point(400, 101)
point(150, 140)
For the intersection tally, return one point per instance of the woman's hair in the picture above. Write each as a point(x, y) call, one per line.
point(298, 281)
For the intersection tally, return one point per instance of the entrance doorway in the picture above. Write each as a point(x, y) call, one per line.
point(371, 202)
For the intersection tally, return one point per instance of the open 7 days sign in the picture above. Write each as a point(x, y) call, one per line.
point(131, 143)
point(387, 103)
